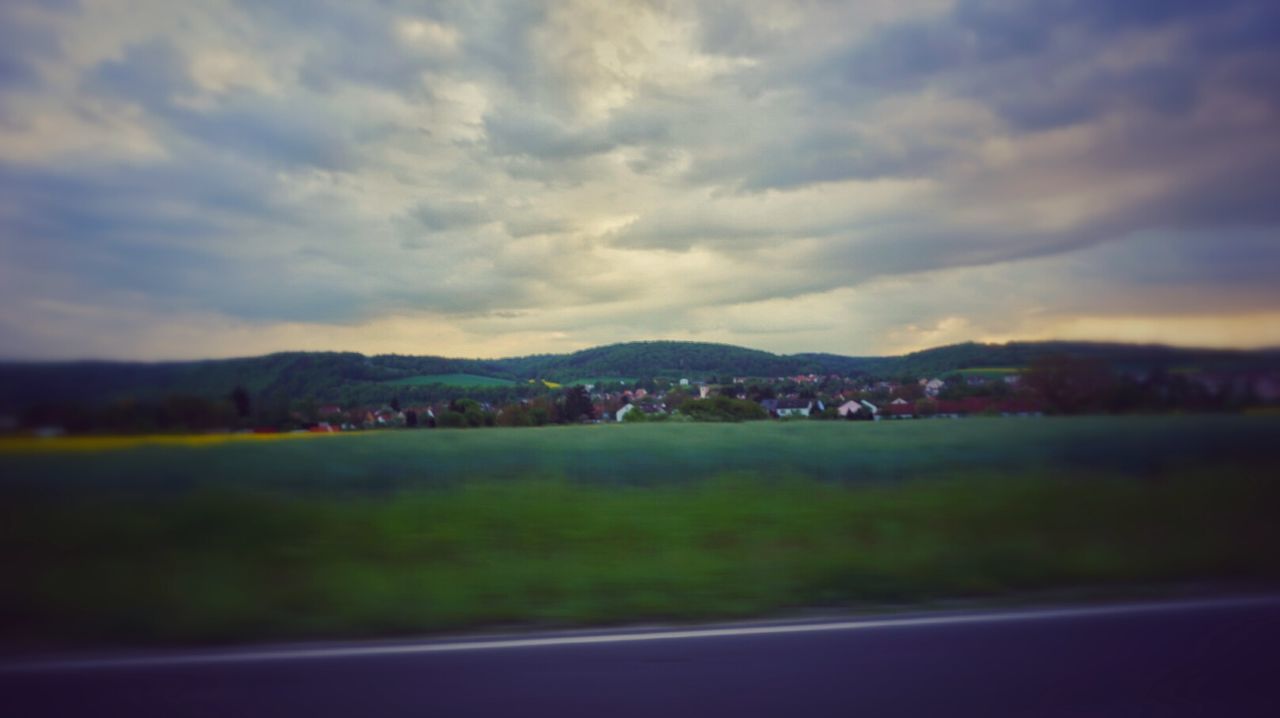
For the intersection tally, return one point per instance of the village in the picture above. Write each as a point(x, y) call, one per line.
point(831, 397)
point(808, 396)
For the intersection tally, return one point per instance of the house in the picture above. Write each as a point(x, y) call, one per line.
point(794, 407)
point(899, 402)
point(899, 411)
point(1020, 406)
point(875, 410)
point(962, 407)
point(703, 391)
point(770, 405)
point(849, 409)
point(933, 387)
point(626, 409)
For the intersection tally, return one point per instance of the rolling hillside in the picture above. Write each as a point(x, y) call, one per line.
point(354, 377)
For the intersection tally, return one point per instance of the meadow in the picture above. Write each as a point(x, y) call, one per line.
point(469, 381)
point(386, 462)
point(988, 372)
point(393, 533)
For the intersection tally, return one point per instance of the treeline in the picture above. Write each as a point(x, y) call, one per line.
point(169, 414)
point(367, 394)
point(355, 379)
point(569, 406)
point(1087, 385)
point(723, 408)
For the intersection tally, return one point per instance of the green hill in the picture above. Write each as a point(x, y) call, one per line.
point(650, 359)
point(352, 378)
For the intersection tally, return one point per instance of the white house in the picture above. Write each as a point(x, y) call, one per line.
point(794, 407)
point(849, 408)
point(624, 411)
point(934, 386)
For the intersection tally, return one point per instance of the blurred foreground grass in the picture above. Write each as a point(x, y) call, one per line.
point(222, 565)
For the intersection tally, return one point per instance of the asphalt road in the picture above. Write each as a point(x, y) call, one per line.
point(1205, 658)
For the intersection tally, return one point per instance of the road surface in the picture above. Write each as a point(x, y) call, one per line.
point(1215, 657)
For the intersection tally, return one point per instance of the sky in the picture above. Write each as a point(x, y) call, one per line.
point(481, 179)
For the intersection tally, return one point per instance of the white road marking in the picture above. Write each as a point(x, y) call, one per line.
point(310, 653)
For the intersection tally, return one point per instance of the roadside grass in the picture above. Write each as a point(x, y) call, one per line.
point(112, 442)
point(218, 565)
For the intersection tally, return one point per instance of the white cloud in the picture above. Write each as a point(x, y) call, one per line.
point(232, 177)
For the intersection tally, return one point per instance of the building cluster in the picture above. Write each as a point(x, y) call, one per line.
point(786, 397)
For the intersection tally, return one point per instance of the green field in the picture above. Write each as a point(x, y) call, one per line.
point(400, 532)
point(384, 462)
point(604, 382)
point(988, 371)
point(463, 380)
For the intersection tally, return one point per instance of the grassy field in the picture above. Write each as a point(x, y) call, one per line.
point(990, 372)
point(463, 380)
point(385, 462)
point(610, 382)
point(401, 532)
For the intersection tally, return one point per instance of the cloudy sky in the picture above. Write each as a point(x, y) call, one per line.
point(481, 178)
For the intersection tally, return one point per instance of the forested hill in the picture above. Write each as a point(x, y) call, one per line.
point(332, 375)
point(657, 358)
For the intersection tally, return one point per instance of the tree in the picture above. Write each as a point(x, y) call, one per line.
point(721, 408)
point(450, 419)
point(515, 415)
point(240, 399)
point(472, 412)
point(543, 411)
point(1069, 384)
point(733, 391)
point(577, 405)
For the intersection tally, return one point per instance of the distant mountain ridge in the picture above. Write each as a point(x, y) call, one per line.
point(322, 374)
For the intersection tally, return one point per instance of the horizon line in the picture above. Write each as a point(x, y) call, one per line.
point(1096, 342)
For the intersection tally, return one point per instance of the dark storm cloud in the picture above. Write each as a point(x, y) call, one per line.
point(1034, 65)
point(449, 215)
point(517, 132)
point(1202, 112)
point(158, 230)
point(728, 28)
point(1034, 62)
point(825, 154)
point(87, 207)
point(23, 44)
point(154, 75)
